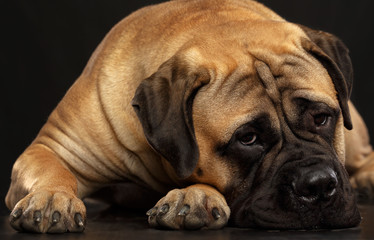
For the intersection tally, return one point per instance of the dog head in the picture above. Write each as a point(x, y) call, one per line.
point(261, 119)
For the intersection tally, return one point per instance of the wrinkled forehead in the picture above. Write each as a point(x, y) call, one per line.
point(237, 93)
point(296, 75)
point(233, 49)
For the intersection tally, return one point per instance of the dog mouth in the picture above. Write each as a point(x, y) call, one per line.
point(314, 196)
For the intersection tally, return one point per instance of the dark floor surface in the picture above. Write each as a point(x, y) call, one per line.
point(130, 226)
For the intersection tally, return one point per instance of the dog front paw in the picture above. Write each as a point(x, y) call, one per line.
point(196, 207)
point(46, 211)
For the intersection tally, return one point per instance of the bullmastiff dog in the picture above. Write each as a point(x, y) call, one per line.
point(231, 112)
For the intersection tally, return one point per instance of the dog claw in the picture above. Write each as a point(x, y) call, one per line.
point(185, 210)
point(37, 217)
point(79, 220)
point(215, 213)
point(164, 209)
point(56, 217)
point(152, 211)
point(16, 214)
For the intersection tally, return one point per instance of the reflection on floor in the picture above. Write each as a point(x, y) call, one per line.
point(107, 223)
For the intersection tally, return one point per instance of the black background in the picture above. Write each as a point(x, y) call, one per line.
point(44, 46)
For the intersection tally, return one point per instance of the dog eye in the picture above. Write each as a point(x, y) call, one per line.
point(248, 139)
point(321, 119)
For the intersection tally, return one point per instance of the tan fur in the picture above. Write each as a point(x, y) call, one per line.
point(94, 137)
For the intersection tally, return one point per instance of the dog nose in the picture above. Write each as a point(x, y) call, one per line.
point(314, 184)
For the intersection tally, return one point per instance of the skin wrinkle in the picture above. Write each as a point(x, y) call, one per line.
point(274, 94)
point(53, 138)
point(243, 90)
point(117, 162)
point(292, 130)
point(268, 81)
point(218, 77)
point(84, 178)
point(68, 164)
point(222, 84)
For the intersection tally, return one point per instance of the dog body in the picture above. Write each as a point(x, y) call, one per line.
point(223, 99)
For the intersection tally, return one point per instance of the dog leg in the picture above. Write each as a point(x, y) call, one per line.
point(43, 194)
point(360, 157)
point(195, 207)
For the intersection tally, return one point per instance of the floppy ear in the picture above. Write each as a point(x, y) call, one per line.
point(163, 104)
point(334, 56)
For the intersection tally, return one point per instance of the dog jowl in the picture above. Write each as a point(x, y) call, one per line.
point(231, 112)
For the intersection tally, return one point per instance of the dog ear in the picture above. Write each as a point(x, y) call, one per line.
point(334, 56)
point(163, 104)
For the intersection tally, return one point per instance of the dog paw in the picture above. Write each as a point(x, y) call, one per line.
point(195, 207)
point(46, 211)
